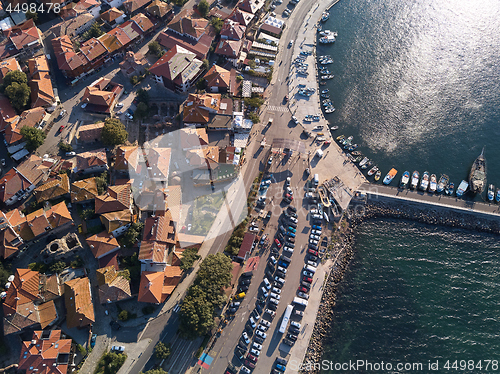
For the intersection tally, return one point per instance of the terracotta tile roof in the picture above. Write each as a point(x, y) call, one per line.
point(251, 6)
point(102, 244)
point(48, 355)
point(25, 317)
point(67, 58)
point(42, 93)
point(160, 229)
point(23, 289)
point(228, 48)
point(53, 188)
point(187, 23)
point(158, 163)
point(169, 39)
point(195, 114)
point(143, 22)
point(232, 30)
point(153, 251)
point(23, 34)
point(8, 65)
point(90, 159)
point(91, 132)
point(132, 5)
point(131, 29)
point(102, 93)
point(115, 220)
point(112, 286)
point(111, 14)
point(7, 113)
point(241, 17)
point(50, 288)
point(110, 42)
point(203, 157)
point(192, 137)
point(11, 183)
point(15, 217)
point(150, 289)
point(218, 77)
point(59, 215)
point(116, 198)
point(226, 107)
point(70, 26)
point(110, 259)
point(127, 157)
point(121, 35)
point(30, 118)
point(46, 313)
point(159, 8)
point(37, 222)
point(178, 64)
point(9, 242)
point(78, 300)
point(92, 49)
point(133, 63)
point(83, 190)
point(34, 169)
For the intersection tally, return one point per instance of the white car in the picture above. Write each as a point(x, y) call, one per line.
point(289, 249)
point(289, 191)
point(295, 324)
point(293, 219)
point(315, 237)
point(262, 334)
point(129, 116)
point(276, 290)
point(245, 370)
point(265, 323)
point(244, 336)
point(314, 264)
point(118, 348)
point(274, 301)
point(264, 292)
point(255, 352)
point(295, 120)
point(257, 346)
point(283, 270)
point(119, 105)
point(316, 232)
point(261, 328)
point(273, 260)
point(272, 313)
point(252, 322)
point(67, 154)
point(312, 241)
point(303, 295)
point(275, 296)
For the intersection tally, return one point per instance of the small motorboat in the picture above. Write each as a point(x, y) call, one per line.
point(414, 179)
point(497, 196)
point(352, 147)
point(356, 153)
point(491, 192)
point(433, 184)
point(364, 161)
point(404, 179)
point(333, 128)
point(390, 176)
point(372, 171)
point(449, 188)
point(378, 174)
point(340, 138)
point(325, 91)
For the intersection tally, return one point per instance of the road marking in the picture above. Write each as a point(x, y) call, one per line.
point(273, 108)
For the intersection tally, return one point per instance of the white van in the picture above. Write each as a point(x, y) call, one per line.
point(316, 179)
point(310, 268)
point(267, 284)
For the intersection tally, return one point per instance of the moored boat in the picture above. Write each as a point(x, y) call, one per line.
point(449, 188)
point(497, 196)
point(340, 138)
point(414, 179)
point(325, 16)
point(462, 187)
point(378, 174)
point(390, 176)
point(424, 182)
point(364, 161)
point(367, 165)
point(433, 184)
point(443, 183)
point(477, 176)
point(333, 128)
point(404, 179)
point(372, 171)
point(491, 192)
point(356, 153)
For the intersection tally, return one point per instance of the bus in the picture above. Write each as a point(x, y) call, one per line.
point(286, 318)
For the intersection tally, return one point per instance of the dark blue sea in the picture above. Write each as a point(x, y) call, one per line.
point(417, 85)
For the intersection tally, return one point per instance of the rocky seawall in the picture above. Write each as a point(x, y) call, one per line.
point(343, 249)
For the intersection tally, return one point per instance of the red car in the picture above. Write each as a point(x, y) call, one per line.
point(307, 279)
point(61, 128)
point(249, 364)
point(303, 289)
point(252, 358)
point(313, 252)
point(278, 244)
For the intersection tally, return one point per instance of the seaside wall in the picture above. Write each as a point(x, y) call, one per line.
point(343, 248)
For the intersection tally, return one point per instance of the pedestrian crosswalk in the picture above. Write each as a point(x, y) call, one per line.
point(272, 108)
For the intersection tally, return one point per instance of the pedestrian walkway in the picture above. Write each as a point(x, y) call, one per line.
point(273, 108)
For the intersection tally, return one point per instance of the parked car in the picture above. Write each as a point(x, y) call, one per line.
point(70, 153)
point(84, 105)
point(281, 361)
point(245, 370)
point(261, 334)
point(244, 336)
point(272, 313)
point(278, 244)
point(118, 348)
point(308, 273)
point(303, 289)
point(303, 295)
point(259, 339)
point(255, 352)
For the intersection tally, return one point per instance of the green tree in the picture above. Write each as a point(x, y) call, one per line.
point(18, 95)
point(134, 80)
point(110, 363)
point(123, 315)
point(95, 31)
point(142, 110)
point(203, 8)
point(34, 137)
point(113, 132)
point(65, 147)
point(155, 371)
point(201, 84)
point(132, 234)
point(162, 351)
point(14, 76)
point(213, 276)
point(197, 313)
point(189, 256)
point(217, 23)
point(102, 182)
point(254, 117)
point(57, 267)
point(88, 214)
point(156, 49)
point(254, 101)
point(142, 96)
point(206, 64)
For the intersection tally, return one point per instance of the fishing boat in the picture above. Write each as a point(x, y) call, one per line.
point(404, 179)
point(325, 95)
point(477, 176)
point(462, 187)
point(491, 192)
point(326, 61)
point(325, 16)
point(364, 161)
point(325, 91)
point(390, 176)
point(340, 138)
point(327, 39)
point(351, 157)
point(328, 32)
point(356, 153)
point(443, 182)
point(414, 179)
point(378, 175)
point(372, 171)
point(348, 141)
point(424, 183)
point(333, 128)
point(352, 147)
point(358, 159)
point(318, 127)
point(330, 109)
point(328, 76)
point(367, 165)
point(497, 196)
point(449, 188)
point(319, 27)
point(433, 184)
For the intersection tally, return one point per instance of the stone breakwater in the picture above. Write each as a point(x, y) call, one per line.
point(343, 248)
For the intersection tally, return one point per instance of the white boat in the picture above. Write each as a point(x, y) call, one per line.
point(462, 188)
point(414, 179)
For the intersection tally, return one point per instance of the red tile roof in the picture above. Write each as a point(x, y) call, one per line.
point(90, 159)
point(228, 48)
point(153, 251)
point(232, 30)
point(218, 77)
point(67, 58)
point(23, 289)
point(92, 49)
point(160, 229)
point(78, 300)
point(186, 23)
point(132, 5)
point(116, 198)
point(178, 65)
point(143, 22)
